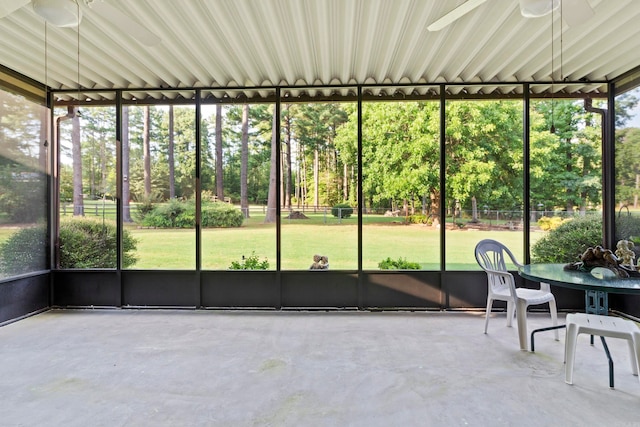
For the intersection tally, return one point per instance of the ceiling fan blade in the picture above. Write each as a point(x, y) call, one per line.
point(575, 12)
point(9, 6)
point(125, 23)
point(454, 15)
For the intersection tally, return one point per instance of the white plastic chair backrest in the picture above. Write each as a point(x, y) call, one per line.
point(490, 255)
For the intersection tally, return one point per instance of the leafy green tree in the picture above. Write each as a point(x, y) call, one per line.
point(218, 143)
point(628, 166)
point(315, 128)
point(484, 153)
point(22, 160)
point(625, 104)
point(287, 139)
point(574, 165)
point(258, 151)
point(23, 184)
point(126, 170)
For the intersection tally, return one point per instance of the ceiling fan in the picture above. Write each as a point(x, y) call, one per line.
point(574, 11)
point(68, 13)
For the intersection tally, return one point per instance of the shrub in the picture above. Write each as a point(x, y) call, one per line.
point(567, 242)
point(342, 210)
point(88, 243)
point(168, 215)
point(546, 224)
point(219, 214)
point(84, 243)
point(628, 227)
point(24, 251)
point(180, 214)
point(251, 262)
point(419, 219)
point(146, 205)
point(23, 201)
point(399, 264)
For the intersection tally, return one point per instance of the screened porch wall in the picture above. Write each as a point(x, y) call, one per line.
point(281, 289)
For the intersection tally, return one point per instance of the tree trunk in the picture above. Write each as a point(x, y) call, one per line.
point(126, 187)
point(91, 175)
point(435, 207)
point(244, 166)
point(281, 160)
point(316, 178)
point(329, 182)
point(303, 187)
point(298, 190)
point(288, 182)
point(172, 168)
point(219, 171)
point(103, 168)
point(345, 182)
point(272, 201)
point(474, 210)
point(354, 186)
point(569, 191)
point(78, 202)
point(146, 149)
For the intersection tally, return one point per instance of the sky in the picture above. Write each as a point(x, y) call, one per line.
point(635, 120)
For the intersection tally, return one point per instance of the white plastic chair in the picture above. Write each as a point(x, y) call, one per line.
point(491, 255)
point(603, 326)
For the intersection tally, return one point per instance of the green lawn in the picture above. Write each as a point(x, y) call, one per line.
point(6, 232)
point(301, 239)
point(175, 249)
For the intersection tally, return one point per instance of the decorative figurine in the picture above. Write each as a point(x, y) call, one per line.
point(604, 258)
point(625, 252)
point(320, 262)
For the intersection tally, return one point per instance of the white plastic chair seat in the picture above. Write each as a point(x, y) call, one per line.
point(491, 256)
point(534, 296)
point(603, 326)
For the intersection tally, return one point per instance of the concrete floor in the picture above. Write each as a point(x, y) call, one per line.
point(227, 368)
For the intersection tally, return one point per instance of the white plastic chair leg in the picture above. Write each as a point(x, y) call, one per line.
point(570, 352)
point(633, 355)
point(636, 343)
point(603, 326)
point(521, 316)
point(510, 309)
point(487, 314)
point(554, 316)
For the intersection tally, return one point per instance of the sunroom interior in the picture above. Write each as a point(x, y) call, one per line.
point(114, 110)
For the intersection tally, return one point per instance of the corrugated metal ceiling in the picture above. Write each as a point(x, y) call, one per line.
point(260, 44)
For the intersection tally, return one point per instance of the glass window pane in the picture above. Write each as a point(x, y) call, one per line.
point(565, 177)
point(401, 185)
point(238, 217)
point(318, 186)
point(158, 162)
point(627, 166)
point(23, 185)
point(87, 187)
point(484, 178)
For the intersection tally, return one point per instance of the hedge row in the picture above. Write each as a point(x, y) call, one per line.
point(180, 214)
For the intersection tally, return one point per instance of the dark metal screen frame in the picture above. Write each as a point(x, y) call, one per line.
point(211, 286)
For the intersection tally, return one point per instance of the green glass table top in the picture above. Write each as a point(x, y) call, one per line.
point(599, 279)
